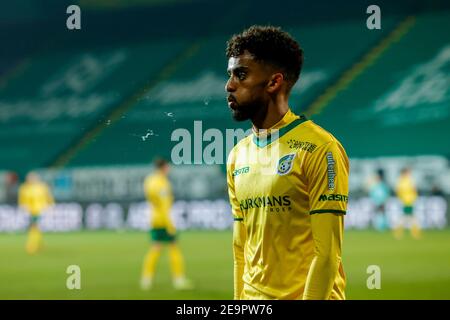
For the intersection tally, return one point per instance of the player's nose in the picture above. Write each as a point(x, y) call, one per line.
point(229, 86)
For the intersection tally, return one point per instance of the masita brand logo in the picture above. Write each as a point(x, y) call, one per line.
point(273, 203)
point(333, 197)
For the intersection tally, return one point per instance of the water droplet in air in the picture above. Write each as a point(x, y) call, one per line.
point(147, 135)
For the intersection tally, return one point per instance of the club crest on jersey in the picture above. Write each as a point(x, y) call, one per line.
point(285, 164)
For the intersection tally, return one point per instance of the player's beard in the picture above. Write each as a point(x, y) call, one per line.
point(249, 110)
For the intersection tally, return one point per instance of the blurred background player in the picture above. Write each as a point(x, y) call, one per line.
point(158, 192)
point(407, 194)
point(34, 197)
point(379, 193)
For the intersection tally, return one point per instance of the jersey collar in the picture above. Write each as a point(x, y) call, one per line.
point(290, 120)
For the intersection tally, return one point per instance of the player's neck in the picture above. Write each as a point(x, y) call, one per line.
point(270, 116)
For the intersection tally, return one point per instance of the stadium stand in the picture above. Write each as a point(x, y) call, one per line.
point(195, 91)
point(402, 96)
point(114, 95)
point(59, 95)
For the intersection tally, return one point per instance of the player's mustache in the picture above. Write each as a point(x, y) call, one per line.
point(230, 98)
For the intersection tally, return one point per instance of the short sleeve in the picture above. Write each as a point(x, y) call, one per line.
point(327, 171)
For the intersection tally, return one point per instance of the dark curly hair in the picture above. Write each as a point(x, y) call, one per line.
point(272, 45)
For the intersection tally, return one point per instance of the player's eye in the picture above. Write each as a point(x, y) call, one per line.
point(241, 75)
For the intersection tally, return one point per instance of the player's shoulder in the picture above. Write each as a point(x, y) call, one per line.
point(150, 179)
point(314, 135)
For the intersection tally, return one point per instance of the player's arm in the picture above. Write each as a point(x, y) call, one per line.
point(327, 235)
point(166, 200)
point(169, 223)
point(50, 199)
point(148, 188)
point(239, 237)
point(155, 193)
point(152, 190)
point(22, 198)
point(327, 174)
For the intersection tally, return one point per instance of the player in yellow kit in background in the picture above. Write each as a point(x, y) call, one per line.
point(407, 194)
point(34, 197)
point(289, 204)
point(158, 192)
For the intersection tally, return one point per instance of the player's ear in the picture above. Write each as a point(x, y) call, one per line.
point(275, 82)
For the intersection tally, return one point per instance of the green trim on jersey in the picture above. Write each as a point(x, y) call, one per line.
point(327, 211)
point(238, 219)
point(265, 141)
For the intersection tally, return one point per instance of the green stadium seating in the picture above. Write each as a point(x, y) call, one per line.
point(119, 104)
point(59, 96)
point(400, 105)
point(195, 91)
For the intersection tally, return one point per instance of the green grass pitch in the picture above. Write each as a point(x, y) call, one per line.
point(111, 262)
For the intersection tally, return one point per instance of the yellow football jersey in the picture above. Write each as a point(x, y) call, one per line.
point(35, 197)
point(159, 193)
point(277, 181)
point(406, 190)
